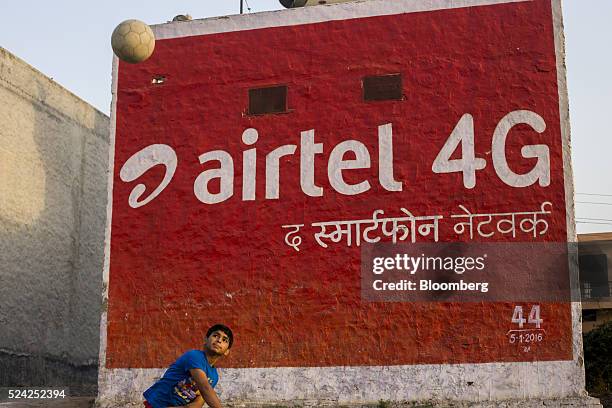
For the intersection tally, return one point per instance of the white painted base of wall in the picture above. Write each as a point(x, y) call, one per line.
point(362, 385)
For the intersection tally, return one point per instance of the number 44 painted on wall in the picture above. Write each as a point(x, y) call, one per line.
point(533, 318)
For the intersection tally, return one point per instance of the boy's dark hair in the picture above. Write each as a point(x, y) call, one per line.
point(224, 329)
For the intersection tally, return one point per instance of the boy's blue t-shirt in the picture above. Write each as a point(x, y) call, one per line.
point(177, 387)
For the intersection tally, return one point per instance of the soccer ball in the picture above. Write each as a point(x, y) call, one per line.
point(133, 41)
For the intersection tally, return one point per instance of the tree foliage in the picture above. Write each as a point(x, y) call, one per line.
point(598, 359)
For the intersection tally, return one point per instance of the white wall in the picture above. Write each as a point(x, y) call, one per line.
point(53, 172)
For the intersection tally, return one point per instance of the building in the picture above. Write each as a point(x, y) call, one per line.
point(53, 164)
point(243, 137)
point(595, 258)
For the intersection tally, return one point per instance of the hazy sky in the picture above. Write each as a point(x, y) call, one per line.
point(69, 41)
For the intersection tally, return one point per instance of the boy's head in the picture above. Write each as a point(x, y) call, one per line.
point(219, 339)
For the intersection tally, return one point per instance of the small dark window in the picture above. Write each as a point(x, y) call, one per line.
point(268, 100)
point(589, 315)
point(382, 88)
point(594, 275)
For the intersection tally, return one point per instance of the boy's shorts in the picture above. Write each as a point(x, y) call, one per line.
point(147, 405)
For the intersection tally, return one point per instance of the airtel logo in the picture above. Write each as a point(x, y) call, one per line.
point(462, 137)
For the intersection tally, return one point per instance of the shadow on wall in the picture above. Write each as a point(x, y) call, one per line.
point(53, 178)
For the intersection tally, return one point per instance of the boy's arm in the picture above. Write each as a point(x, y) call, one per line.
point(208, 394)
point(196, 403)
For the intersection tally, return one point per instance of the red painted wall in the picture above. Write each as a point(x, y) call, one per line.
point(178, 265)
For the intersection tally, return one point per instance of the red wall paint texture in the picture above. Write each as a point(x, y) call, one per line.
point(178, 265)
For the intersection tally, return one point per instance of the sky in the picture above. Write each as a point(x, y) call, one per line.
point(69, 41)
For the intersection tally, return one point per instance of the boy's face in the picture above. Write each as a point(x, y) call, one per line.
point(218, 343)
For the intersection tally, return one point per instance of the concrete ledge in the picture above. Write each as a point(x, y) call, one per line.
point(582, 402)
point(603, 303)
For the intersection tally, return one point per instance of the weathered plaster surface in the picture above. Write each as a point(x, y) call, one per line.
point(53, 165)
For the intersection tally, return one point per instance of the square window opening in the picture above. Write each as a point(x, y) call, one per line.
point(382, 88)
point(268, 100)
point(589, 315)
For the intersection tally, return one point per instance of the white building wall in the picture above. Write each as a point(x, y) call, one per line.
point(53, 166)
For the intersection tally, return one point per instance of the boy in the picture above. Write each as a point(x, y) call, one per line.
point(190, 380)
